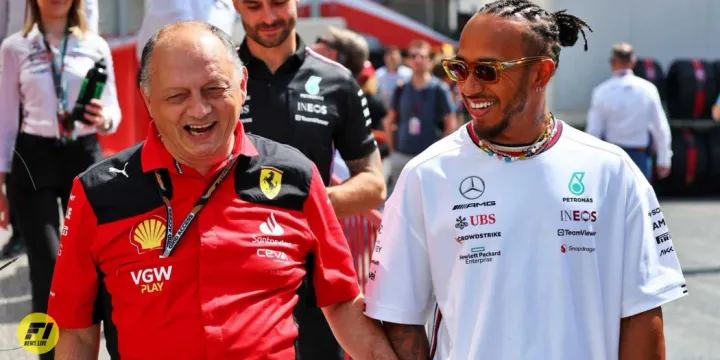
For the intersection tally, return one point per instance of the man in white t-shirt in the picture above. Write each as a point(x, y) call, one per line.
point(626, 111)
point(519, 237)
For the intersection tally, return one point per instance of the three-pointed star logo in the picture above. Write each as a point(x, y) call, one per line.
point(472, 187)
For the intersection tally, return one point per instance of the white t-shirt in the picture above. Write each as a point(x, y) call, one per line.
point(533, 259)
point(626, 110)
point(26, 76)
point(160, 13)
point(388, 82)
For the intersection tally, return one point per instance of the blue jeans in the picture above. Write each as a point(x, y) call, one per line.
point(642, 160)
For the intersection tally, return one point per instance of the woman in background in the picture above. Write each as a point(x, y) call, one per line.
point(44, 66)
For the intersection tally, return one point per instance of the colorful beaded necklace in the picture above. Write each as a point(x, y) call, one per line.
point(509, 154)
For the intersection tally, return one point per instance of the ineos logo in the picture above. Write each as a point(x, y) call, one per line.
point(313, 108)
point(472, 187)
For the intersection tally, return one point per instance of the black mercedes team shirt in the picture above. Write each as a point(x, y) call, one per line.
point(311, 103)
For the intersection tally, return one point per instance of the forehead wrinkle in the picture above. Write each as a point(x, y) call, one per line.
point(187, 59)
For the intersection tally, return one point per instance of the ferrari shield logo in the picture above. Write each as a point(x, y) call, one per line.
point(270, 181)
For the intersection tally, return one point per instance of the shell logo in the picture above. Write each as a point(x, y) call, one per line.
point(149, 234)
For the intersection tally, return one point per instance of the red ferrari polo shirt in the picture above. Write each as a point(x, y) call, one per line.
point(227, 291)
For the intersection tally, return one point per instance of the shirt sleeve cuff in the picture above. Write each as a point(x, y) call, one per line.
point(395, 316)
point(672, 293)
point(70, 320)
point(339, 293)
point(664, 160)
point(113, 115)
point(360, 152)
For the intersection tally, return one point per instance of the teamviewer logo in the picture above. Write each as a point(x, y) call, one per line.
point(561, 232)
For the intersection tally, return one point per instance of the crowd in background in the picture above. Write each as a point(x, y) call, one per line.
point(400, 113)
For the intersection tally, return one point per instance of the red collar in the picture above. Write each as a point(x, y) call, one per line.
point(155, 156)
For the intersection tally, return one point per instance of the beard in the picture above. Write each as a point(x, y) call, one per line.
point(254, 32)
point(516, 107)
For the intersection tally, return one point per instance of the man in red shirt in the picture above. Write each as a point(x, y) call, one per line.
point(221, 283)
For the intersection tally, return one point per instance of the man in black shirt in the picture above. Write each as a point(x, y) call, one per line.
point(300, 98)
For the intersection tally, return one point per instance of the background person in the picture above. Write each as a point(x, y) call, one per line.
point(421, 111)
point(626, 110)
point(300, 98)
point(13, 14)
point(391, 74)
point(44, 66)
point(479, 209)
point(350, 50)
point(194, 86)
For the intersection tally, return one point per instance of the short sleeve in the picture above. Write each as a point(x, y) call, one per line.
point(9, 103)
point(400, 288)
point(110, 95)
point(353, 136)
point(74, 286)
point(651, 272)
point(334, 274)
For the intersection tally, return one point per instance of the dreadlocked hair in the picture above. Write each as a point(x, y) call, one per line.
point(549, 32)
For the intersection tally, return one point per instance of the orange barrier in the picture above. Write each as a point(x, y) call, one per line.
point(135, 120)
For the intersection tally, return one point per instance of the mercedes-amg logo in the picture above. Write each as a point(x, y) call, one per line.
point(472, 187)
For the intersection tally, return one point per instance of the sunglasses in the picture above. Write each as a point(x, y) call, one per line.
point(485, 71)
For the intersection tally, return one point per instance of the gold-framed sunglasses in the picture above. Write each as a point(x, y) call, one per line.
point(485, 71)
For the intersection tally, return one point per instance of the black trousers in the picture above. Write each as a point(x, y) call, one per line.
point(316, 339)
point(42, 172)
point(13, 217)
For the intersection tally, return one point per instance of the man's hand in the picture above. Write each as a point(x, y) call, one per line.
point(362, 337)
point(642, 337)
point(662, 171)
point(364, 191)
point(409, 342)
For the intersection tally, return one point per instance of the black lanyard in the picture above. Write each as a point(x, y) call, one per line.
point(60, 89)
point(170, 240)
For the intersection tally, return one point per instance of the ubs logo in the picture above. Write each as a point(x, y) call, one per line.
point(472, 187)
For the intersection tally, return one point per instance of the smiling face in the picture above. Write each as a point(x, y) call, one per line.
point(494, 106)
point(195, 95)
point(267, 22)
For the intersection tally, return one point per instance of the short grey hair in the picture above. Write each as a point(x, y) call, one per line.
point(146, 58)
